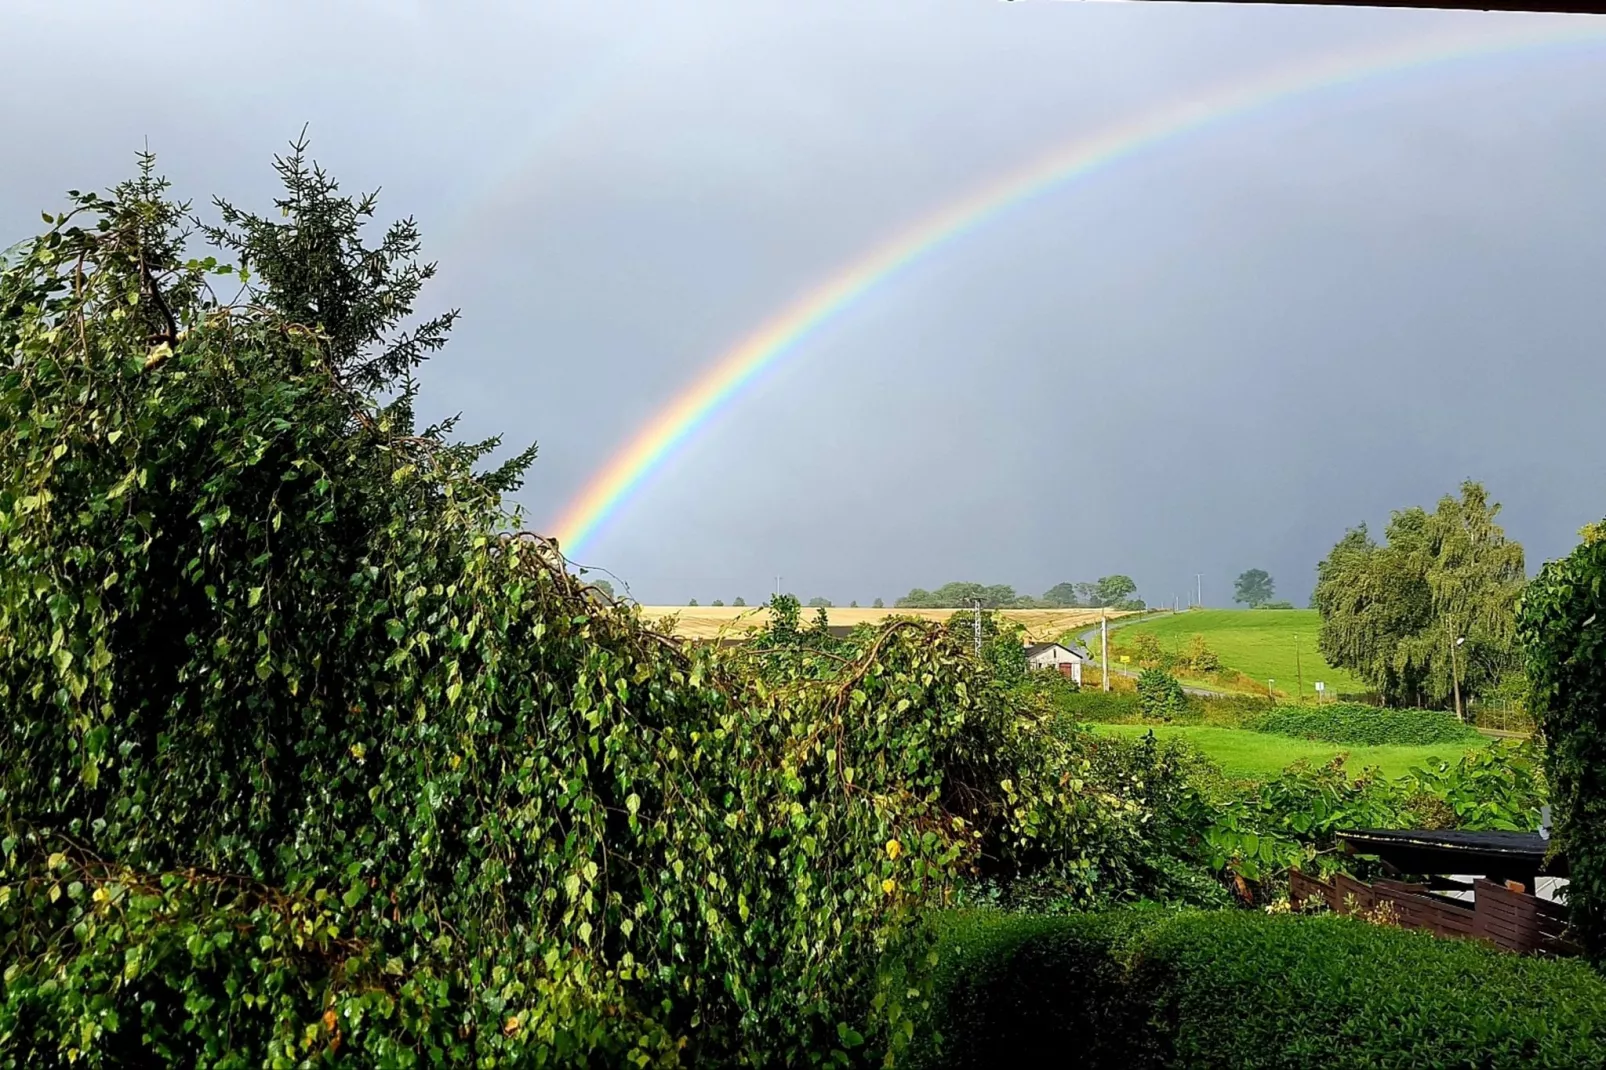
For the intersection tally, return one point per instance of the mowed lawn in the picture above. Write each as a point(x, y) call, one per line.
point(1242, 753)
point(1260, 643)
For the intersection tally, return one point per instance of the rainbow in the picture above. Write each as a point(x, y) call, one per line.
point(611, 488)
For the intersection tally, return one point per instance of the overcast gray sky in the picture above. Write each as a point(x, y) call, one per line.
point(1213, 356)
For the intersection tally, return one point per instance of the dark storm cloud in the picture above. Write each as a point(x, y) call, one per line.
point(1211, 357)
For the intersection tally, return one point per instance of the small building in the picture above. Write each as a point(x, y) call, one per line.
point(1067, 659)
point(1457, 883)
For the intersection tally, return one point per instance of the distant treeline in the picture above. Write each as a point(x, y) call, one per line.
point(1116, 591)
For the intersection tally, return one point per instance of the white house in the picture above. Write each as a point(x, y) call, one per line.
point(1068, 660)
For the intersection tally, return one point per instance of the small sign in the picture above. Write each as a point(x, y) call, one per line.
point(1320, 686)
point(1126, 659)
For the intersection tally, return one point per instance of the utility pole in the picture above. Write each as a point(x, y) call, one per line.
point(777, 586)
point(1104, 643)
point(1199, 598)
point(1299, 674)
point(1455, 678)
point(977, 606)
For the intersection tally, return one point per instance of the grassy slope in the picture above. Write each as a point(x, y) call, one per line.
point(1242, 753)
point(1258, 642)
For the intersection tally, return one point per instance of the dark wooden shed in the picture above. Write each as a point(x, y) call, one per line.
point(1499, 856)
point(1504, 867)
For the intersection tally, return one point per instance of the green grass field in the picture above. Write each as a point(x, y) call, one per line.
point(1260, 643)
point(1242, 753)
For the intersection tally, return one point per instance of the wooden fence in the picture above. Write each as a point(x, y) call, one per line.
point(1508, 918)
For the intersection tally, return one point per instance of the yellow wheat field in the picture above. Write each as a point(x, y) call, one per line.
point(733, 622)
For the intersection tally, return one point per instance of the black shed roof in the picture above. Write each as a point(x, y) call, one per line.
point(1440, 851)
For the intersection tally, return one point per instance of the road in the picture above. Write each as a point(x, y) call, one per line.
point(1090, 637)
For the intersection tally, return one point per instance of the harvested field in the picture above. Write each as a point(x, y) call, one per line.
point(712, 622)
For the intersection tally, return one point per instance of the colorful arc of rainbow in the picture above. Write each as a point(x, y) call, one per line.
point(671, 426)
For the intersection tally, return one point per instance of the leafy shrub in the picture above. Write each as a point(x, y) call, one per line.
point(1159, 694)
point(1199, 657)
point(1560, 628)
point(1146, 650)
point(1229, 711)
point(1258, 833)
point(1168, 781)
point(1134, 989)
point(305, 757)
point(1360, 725)
point(1499, 787)
point(1095, 706)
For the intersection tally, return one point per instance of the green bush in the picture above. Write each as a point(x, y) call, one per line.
point(1136, 990)
point(1562, 630)
point(1361, 725)
point(1198, 657)
point(1258, 833)
point(305, 757)
point(1228, 711)
point(1160, 695)
point(1094, 706)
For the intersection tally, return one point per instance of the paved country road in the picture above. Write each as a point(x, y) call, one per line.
point(1090, 638)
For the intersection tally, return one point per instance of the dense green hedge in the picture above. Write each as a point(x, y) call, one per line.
point(1362, 725)
point(1092, 706)
point(1030, 990)
point(1236, 989)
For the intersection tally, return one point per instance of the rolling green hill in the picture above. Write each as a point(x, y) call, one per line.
point(1257, 642)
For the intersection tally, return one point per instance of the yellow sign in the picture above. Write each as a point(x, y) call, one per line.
point(1126, 659)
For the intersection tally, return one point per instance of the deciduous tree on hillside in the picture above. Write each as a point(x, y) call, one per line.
point(1061, 595)
point(1430, 614)
point(1254, 587)
point(1115, 590)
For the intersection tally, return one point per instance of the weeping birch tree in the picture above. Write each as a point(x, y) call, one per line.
point(1428, 616)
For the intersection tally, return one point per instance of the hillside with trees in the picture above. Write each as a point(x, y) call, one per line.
point(1114, 592)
